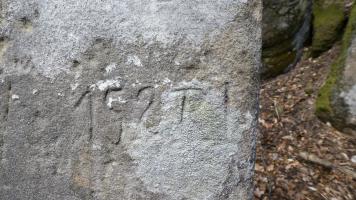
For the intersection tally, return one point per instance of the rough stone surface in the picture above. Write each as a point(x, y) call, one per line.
point(328, 22)
point(130, 99)
point(285, 29)
point(337, 98)
point(344, 95)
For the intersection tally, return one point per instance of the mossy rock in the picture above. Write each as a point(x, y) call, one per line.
point(273, 66)
point(276, 59)
point(283, 34)
point(329, 18)
point(329, 106)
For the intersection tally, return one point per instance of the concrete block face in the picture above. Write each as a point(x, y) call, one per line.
point(128, 99)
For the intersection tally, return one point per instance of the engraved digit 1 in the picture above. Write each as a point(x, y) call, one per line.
point(145, 93)
point(87, 95)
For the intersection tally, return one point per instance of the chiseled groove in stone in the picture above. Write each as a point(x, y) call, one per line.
point(134, 99)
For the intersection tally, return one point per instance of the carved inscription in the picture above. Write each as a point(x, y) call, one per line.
point(145, 97)
point(124, 101)
point(87, 95)
point(186, 92)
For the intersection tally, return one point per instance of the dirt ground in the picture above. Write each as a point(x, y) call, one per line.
point(298, 156)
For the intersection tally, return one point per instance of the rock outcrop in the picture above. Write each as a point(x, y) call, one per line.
point(128, 99)
point(286, 26)
point(328, 22)
point(337, 98)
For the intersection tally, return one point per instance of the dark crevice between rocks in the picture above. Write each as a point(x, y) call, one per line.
point(302, 36)
point(321, 28)
point(283, 54)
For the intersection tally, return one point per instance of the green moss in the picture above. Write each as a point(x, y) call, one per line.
point(327, 25)
point(323, 104)
point(277, 48)
point(277, 64)
point(277, 58)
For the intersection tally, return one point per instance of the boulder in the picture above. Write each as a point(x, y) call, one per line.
point(328, 23)
point(128, 99)
point(337, 98)
point(286, 25)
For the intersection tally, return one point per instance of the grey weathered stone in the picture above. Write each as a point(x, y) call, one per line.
point(329, 18)
point(149, 99)
point(344, 95)
point(336, 102)
point(286, 25)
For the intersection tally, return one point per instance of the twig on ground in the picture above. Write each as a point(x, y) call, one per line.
point(325, 163)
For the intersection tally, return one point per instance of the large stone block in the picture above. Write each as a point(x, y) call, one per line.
point(130, 99)
point(286, 26)
point(328, 22)
point(337, 98)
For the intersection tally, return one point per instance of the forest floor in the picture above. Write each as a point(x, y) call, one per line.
point(298, 156)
